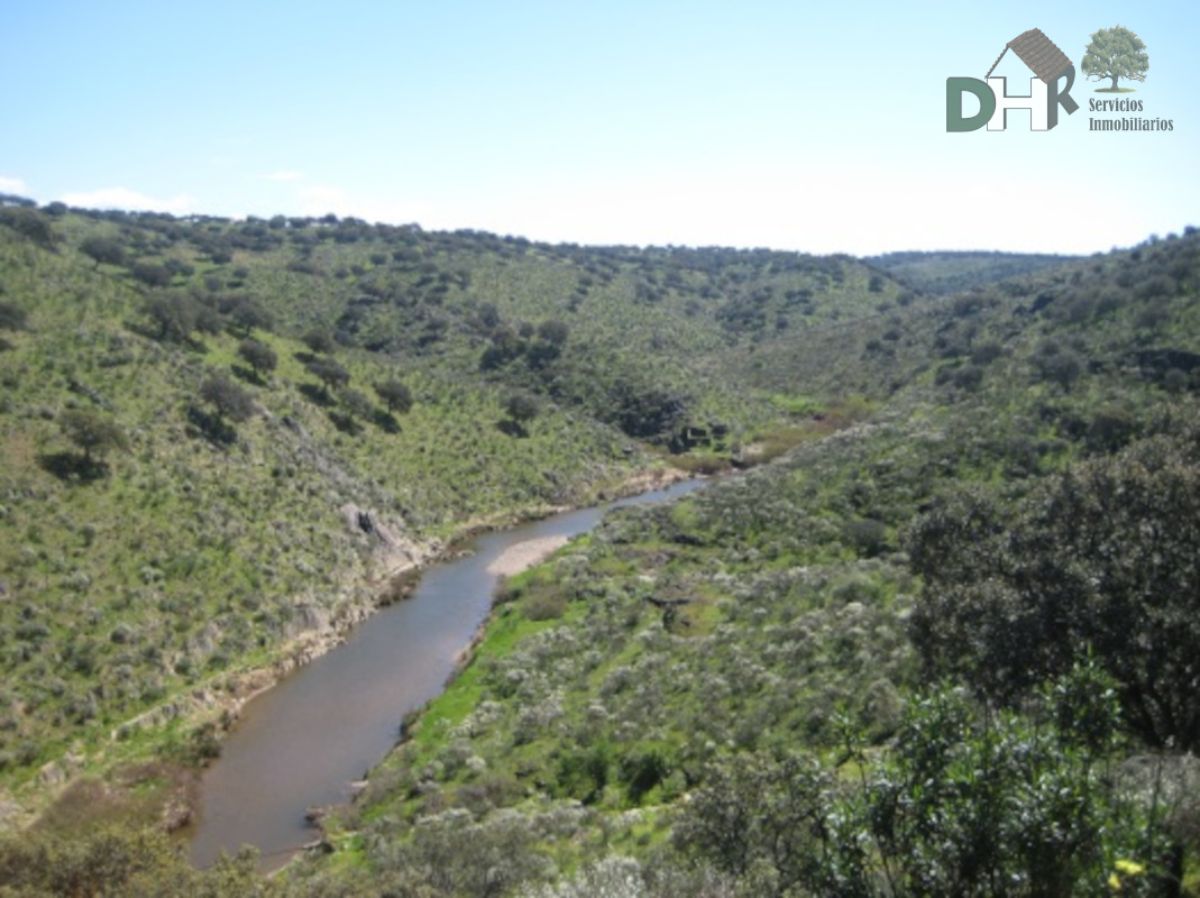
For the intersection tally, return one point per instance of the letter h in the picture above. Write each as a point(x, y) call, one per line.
point(1036, 102)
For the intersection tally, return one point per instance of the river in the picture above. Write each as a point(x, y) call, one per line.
point(303, 742)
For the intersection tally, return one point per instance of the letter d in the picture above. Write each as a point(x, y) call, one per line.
point(955, 88)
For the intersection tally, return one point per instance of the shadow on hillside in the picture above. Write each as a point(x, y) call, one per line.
point(142, 329)
point(248, 375)
point(210, 427)
point(69, 467)
point(386, 421)
point(345, 423)
point(511, 428)
point(316, 395)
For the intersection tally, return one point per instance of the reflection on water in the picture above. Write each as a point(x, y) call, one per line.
point(303, 742)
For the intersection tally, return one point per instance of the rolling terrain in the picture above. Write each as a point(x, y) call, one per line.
point(973, 548)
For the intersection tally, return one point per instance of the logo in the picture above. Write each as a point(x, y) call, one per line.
point(1049, 65)
point(1115, 53)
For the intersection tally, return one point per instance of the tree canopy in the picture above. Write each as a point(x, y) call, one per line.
point(227, 398)
point(395, 394)
point(329, 372)
point(1105, 558)
point(259, 356)
point(1115, 53)
point(91, 432)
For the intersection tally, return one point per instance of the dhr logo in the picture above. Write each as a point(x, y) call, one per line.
point(1048, 64)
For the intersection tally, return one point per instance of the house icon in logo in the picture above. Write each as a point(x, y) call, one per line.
point(1049, 65)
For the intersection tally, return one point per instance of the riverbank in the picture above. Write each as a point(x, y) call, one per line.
point(299, 748)
point(77, 790)
point(525, 555)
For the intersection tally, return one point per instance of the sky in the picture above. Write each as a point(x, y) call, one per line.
point(780, 124)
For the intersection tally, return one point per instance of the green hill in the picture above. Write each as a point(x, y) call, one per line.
point(761, 690)
point(944, 640)
point(203, 475)
point(950, 272)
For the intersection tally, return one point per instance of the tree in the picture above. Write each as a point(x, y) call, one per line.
point(396, 395)
point(30, 224)
point(1105, 558)
point(521, 408)
point(152, 275)
point(103, 250)
point(1057, 364)
point(1115, 53)
point(227, 398)
point(329, 372)
point(259, 356)
point(357, 404)
point(553, 332)
point(319, 340)
point(245, 315)
point(175, 316)
point(93, 433)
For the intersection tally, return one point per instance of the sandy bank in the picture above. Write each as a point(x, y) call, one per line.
point(516, 558)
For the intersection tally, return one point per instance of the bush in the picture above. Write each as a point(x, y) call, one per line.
point(29, 223)
point(152, 275)
point(103, 250)
point(319, 340)
point(965, 800)
point(1105, 558)
point(12, 316)
point(395, 394)
point(259, 356)
point(174, 317)
point(228, 399)
point(329, 372)
point(94, 434)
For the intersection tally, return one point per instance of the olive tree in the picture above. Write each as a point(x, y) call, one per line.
point(259, 356)
point(395, 394)
point(94, 434)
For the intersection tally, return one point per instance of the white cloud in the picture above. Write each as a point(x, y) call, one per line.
point(12, 185)
point(124, 198)
point(284, 175)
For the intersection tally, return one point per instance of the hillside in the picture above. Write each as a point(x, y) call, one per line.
point(980, 515)
point(760, 709)
point(224, 441)
point(951, 272)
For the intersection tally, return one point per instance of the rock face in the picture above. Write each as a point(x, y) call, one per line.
point(361, 521)
point(390, 551)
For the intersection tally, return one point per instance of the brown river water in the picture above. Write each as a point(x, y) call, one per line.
point(304, 742)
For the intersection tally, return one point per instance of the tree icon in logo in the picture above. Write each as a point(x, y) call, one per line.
point(1115, 53)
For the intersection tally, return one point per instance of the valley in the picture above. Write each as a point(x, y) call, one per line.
point(957, 532)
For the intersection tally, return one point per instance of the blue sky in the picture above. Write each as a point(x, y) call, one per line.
point(745, 124)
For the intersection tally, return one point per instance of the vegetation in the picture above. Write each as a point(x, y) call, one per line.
point(92, 433)
point(792, 682)
point(943, 644)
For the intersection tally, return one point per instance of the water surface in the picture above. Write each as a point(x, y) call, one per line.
point(304, 741)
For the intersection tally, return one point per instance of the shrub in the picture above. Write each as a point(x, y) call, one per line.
point(12, 316)
point(259, 356)
point(227, 398)
point(103, 250)
point(1105, 558)
point(395, 394)
point(93, 433)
